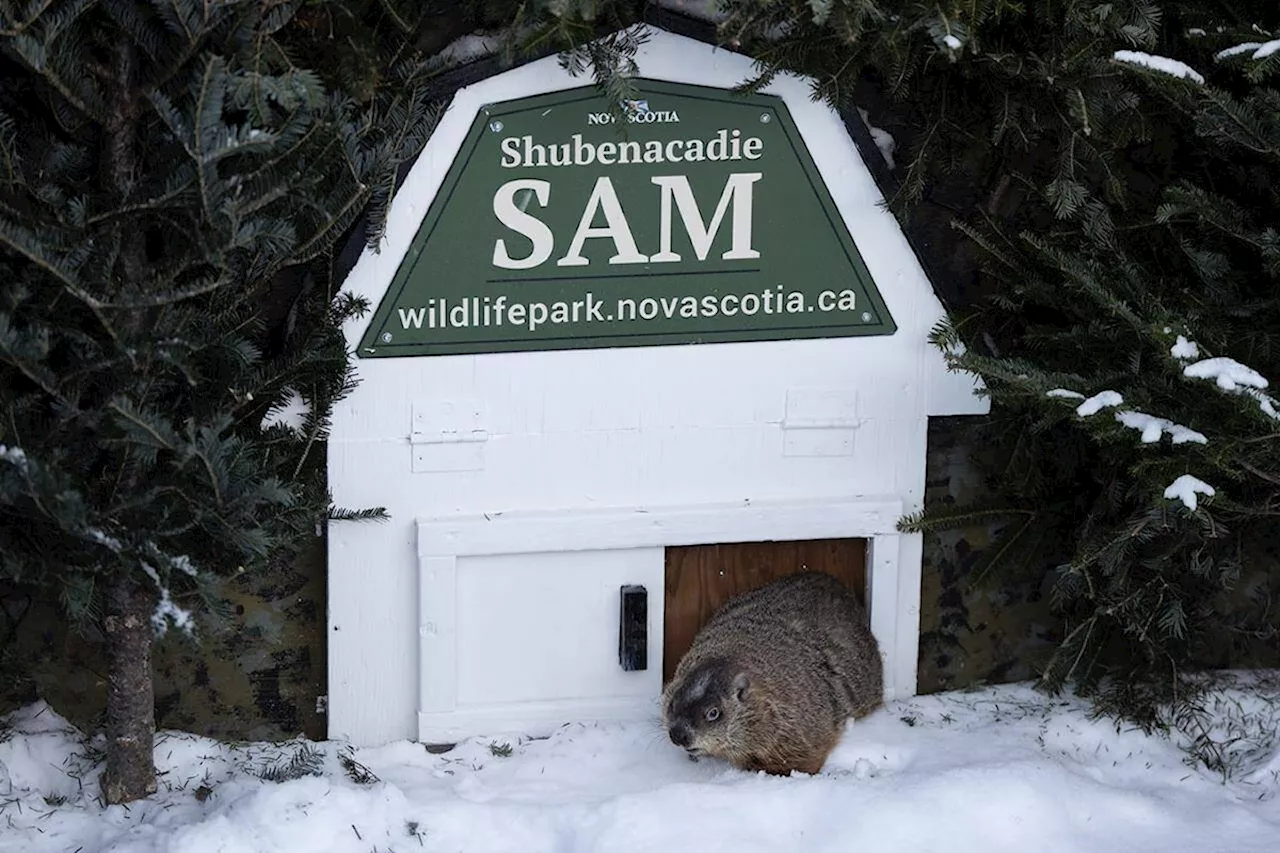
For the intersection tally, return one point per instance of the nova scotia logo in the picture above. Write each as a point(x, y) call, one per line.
point(638, 112)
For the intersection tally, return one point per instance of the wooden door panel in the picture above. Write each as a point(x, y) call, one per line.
point(700, 578)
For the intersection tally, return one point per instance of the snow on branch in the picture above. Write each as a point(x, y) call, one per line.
point(1265, 402)
point(882, 138)
point(166, 609)
point(478, 45)
point(1184, 349)
point(1227, 373)
point(703, 10)
point(183, 564)
point(1261, 49)
point(1097, 402)
point(1185, 489)
point(105, 539)
point(1158, 63)
point(14, 456)
point(1153, 428)
point(470, 47)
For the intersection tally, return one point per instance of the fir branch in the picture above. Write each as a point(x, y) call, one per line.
point(307, 760)
point(20, 27)
point(25, 243)
point(936, 520)
point(335, 513)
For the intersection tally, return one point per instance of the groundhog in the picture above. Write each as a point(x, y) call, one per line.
point(772, 677)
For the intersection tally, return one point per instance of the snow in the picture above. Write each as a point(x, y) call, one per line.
point(1227, 372)
point(882, 138)
point(14, 456)
point(166, 610)
point(1064, 393)
point(996, 770)
point(703, 10)
point(1158, 63)
point(710, 12)
point(1184, 349)
point(1265, 402)
point(1152, 428)
point(1261, 50)
point(291, 413)
point(1185, 489)
point(1097, 402)
point(470, 47)
point(103, 538)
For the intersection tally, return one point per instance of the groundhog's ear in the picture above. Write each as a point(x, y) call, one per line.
point(740, 685)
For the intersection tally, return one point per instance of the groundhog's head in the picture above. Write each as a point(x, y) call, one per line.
point(705, 710)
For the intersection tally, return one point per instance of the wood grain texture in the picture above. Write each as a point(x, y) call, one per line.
point(701, 578)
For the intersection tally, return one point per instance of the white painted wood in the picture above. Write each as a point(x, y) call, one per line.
point(439, 421)
point(534, 609)
point(439, 457)
point(952, 393)
point(905, 664)
point(437, 633)
point(882, 600)
point(504, 663)
point(447, 435)
point(821, 408)
point(583, 450)
point(532, 532)
point(543, 628)
point(531, 718)
point(823, 442)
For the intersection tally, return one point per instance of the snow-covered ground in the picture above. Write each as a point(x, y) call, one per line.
point(1001, 769)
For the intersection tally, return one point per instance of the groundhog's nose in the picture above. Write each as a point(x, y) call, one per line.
point(680, 735)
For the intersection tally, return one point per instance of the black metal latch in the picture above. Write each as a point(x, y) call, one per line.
point(633, 628)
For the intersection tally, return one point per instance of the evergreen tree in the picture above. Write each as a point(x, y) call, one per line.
point(165, 168)
point(1130, 366)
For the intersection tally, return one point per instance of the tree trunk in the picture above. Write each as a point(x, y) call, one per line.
point(131, 711)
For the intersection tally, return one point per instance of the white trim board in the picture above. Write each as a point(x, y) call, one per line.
point(695, 524)
point(891, 583)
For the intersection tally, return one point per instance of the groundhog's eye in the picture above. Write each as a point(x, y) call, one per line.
point(712, 714)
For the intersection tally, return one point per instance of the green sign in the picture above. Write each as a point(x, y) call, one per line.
point(698, 218)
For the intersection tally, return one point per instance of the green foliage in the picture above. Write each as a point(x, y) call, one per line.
point(595, 36)
point(1121, 361)
point(167, 172)
point(306, 760)
point(356, 772)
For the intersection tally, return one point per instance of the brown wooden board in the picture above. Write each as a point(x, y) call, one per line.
point(700, 578)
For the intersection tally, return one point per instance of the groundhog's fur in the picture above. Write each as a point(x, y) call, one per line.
point(772, 677)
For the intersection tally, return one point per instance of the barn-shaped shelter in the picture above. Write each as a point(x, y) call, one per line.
point(620, 366)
